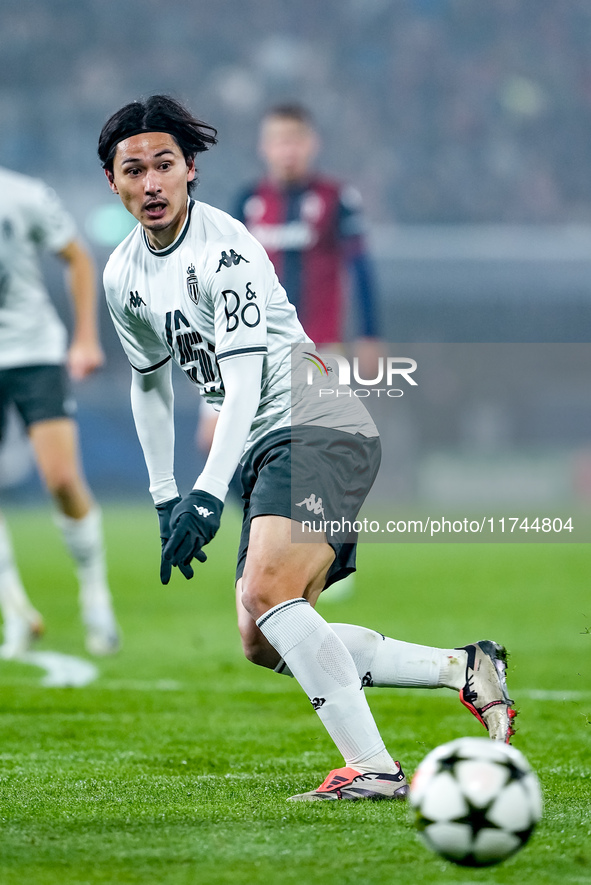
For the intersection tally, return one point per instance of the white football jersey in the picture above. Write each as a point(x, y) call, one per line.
point(32, 219)
point(211, 295)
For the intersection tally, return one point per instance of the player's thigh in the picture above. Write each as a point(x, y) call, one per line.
point(278, 567)
point(279, 553)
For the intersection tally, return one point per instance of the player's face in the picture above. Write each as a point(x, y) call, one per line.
point(150, 174)
point(289, 148)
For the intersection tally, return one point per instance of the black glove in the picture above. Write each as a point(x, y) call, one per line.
point(164, 513)
point(194, 521)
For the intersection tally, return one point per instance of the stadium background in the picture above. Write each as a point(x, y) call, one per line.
point(464, 125)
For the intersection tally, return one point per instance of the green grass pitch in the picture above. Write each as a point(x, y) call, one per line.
point(174, 766)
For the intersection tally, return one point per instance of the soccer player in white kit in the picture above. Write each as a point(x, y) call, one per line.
point(33, 378)
point(190, 284)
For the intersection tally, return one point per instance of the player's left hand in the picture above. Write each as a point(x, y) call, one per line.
point(194, 521)
point(164, 511)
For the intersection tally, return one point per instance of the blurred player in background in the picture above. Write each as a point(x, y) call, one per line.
point(190, 284)
point(34, 366)
point(312, 229)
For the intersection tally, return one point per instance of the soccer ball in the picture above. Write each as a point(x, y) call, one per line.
point(475, 801)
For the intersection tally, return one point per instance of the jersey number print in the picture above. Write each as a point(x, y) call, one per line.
point(196, 357)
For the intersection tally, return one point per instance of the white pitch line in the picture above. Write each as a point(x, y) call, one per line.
point(142, 685)
point(62, 670)
point(532, 694)
point(67, 670)
point(539, 694)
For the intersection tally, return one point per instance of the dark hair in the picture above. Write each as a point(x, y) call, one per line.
point(158, 113)
point(291, 111)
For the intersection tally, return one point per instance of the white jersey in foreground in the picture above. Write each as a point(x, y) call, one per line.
point(31, 219)
point(212, 295)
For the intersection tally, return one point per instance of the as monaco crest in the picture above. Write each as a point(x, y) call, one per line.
point(192, 286)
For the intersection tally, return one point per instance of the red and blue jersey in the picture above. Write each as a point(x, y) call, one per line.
point(313, 234)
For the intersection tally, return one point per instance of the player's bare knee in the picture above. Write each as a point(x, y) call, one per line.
point(62, 482)
point(258, 596)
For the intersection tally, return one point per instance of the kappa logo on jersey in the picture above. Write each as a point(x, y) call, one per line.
point(317, 702)
point(135, 299)
point(228, 260)
point(192, 284)
point(202, 511)
point(313, 504)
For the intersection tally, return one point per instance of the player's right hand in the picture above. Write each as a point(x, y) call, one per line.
point(164, 511)
point(84, 358)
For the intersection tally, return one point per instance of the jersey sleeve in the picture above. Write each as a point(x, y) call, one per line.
point(50, 225)
point(143, 348)
point(239, 278)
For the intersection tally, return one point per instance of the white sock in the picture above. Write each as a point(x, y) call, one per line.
point(84, 540)
point(388, 662)
point(13, 598)
point(326, 671)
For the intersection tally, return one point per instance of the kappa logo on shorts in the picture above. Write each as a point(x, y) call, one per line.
point(312, 503)
point(317, 702)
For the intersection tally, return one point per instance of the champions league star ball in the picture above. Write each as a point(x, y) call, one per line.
point(475, 801)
